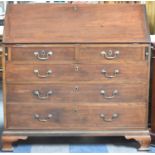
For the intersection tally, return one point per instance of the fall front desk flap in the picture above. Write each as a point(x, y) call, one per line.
point(76, 23)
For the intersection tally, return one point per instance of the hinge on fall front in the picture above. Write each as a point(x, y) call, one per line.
point(146, 53)
point(6, 53)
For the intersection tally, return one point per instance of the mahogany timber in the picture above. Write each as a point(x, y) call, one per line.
point(58, 53)
point(77, 116)
point(76, 93)
point(8, 140)
point(76, 70)
point(91, 53)
point(85, 72)
point(143, 141)
point(75, 23)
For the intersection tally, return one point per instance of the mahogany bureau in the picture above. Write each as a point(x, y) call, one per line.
point(76, 70)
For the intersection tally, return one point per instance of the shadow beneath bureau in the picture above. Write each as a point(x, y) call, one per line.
point(78, 141)
point(67, 137)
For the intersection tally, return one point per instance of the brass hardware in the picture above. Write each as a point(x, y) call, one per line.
point(114, 116)
point(76, 68)
point(75, 8)
point(43, 55)
point(1, 53)
point(76, 88)
point(75, 110)
point(114, 93)
point(110, 54)
point(1, 69)
point(146, 53)
point(36, 71)
point(38, 94)
point(43, 119)
point(5, 54)
point(115, 73)
point(152, 47)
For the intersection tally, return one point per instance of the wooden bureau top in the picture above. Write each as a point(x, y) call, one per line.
point(76, 23)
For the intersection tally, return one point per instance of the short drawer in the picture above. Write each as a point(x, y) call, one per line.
point(77, 72)
point(114, 53)
point(43, 54)
point(76, 93)
point(77, 117)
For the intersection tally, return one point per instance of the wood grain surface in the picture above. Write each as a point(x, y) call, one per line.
point(77, 117)
point(76, 93)
point(127, 72)
point(76, 23)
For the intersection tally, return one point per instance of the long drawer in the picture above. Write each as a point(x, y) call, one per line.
point(75, 93)
point(84, 52)
point(128, 72)
point(77, 117)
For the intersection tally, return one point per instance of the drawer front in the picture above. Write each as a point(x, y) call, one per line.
point(77, 72)
point(76, 93)
point(43, 54)
point(112, 53)
point(86, 53)
point(76, 117)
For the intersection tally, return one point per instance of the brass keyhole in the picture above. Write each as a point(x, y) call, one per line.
point(75, 110)
point(75, 8)
point(76, 68)
point(76, 88)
